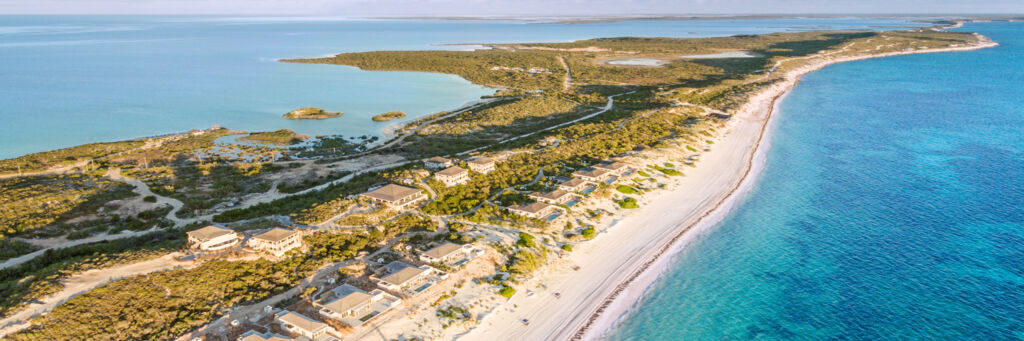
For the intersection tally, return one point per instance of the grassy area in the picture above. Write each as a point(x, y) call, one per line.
point(32, 203)
point(281, 137)
point(37, 162)
point(391, 115)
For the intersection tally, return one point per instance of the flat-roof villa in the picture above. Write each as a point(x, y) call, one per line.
point(406, 278)
point(556, 197)
point(537, 210)
point(481, 165)
point(296, 323)
point(354, 306)
point(446, 253)
point(592, 175)
point(212, 238)
point(395, 196)
point(615, 167)
point(452, 176)
point(277, 241)
point(573, 185)
point(437, 163)
point(253, 335)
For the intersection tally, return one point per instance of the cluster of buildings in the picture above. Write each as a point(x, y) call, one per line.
point(276, 241)
point(546, 204)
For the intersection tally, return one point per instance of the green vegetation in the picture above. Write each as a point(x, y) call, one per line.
point(10, 248)
point(310, 113)
point(589, 233)
point(526, 240)
point(280, 137)
point(643, 174)
point(42, 276)
point(566, 247)
point(37, 162)
point(391, 115)
point(628, 202)
point(625, 189)
point(34, 202)
point(166, 304)
point(507, 292)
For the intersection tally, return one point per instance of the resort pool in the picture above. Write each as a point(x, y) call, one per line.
point(553, 216)
point(572, 202)
point(424, 287)
point(589, 190)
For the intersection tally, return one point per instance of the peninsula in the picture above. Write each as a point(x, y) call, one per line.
point(541, 212)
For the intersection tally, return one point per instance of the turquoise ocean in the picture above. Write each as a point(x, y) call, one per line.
point(891, 208)
point(69, 80)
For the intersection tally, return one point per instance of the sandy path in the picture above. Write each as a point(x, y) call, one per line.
point(83, 282)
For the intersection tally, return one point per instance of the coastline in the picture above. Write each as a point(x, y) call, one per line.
point(621, 264)
point(618, 306)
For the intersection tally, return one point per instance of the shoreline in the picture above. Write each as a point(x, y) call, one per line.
point(616, 308)
point(617, 268)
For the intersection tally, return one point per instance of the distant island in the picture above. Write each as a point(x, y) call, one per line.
point(310, 113)
point(280, 137)
point(388, 116)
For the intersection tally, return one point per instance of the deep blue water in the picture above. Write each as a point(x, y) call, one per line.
point(68, 80)
point(891, 207)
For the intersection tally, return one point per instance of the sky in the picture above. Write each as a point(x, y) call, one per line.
point(381, 8)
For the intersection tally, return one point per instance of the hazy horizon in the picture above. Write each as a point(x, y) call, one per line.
point(533, 8)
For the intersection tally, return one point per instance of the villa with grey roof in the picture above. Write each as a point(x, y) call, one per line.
point(481, 165)
point(277, 241)
point(253, 335)
point(354, 306)
point(614, 167)
point(573, 185)
point(537, 210)
point(446, 253)
point(556, 197)
point(406, 278)
point(592, 175)
point(212, 238)
point(396, 196)
point(301, 325)
point(452, 176)
point(436, 163)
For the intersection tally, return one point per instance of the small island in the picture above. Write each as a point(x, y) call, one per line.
point(281, 137)
point(389, 116)
point(310, 113)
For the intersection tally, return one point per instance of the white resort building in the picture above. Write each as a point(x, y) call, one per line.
point(277, 241)
point(614, 167)
point(573, 185)
point(395, 196)
point(212, 238)
point(452, 176)
point(403, 276)
point(445, 253)
point(296, 323)
point(538, 210)
point(354, 306)
point(556, 197)
point(436, 163)
point(592, 175)
point(481, 165)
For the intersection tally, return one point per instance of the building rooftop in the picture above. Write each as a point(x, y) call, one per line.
point(531, 208)
point(481, 161)
point(404, 275)
point(572, 182)
point(276, 234)
point(301, 321)
point(354, 299)
point(553, 195)
point(438, 159)
point(442, 250)
point(591, 173)
point(610, 165)
point(392, 192)
point(252, 335)
point(452, 171)
point(209, 232)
